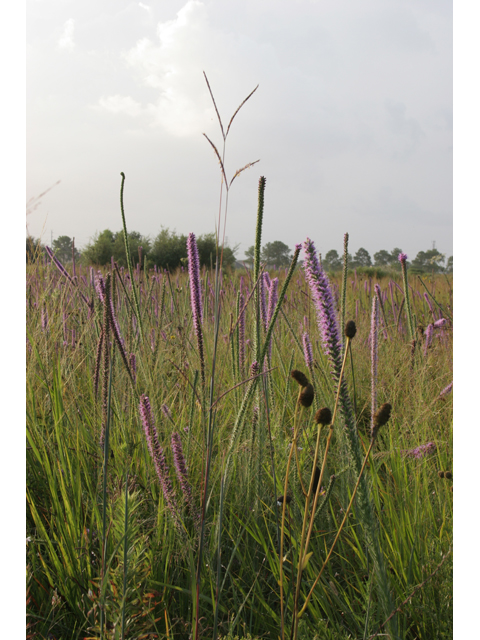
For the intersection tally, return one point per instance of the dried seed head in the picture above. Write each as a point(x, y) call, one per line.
point(307, 395)
point(441, 474)
point(350, 329)
point(280, 500)
point(323, 416)
point(448, 475)
point(299, 377)
point(381, 417)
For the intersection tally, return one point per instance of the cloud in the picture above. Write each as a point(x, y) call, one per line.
point(66, 39)
point(121, 105)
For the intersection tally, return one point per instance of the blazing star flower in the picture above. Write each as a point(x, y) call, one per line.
point(324, 302)
point(182, 475)
point(156, 452)
point(440, 323)
point(402, 257)
point(307, 350)
point(444, 392)
point(195, 296)
point(421, 451)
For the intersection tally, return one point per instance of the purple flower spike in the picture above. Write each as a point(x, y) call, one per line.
point(440, 323)
point(196, 297)
point(182, 475)
point(307, 351)
point(158, 456)
point(444, 392)
point(324, 302)
point(402, 257)
point(420, 452)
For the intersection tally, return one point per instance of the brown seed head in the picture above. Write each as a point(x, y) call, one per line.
point(299, 377)
point(323, 416)
point(280, 499)
point(350, 329)
point(441, 474)
point(307, 395)
point(448, 475)
point(381, 417)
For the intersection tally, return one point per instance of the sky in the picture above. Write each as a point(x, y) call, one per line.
point(351, 121)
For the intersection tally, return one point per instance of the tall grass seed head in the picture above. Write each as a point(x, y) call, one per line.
point(299, 377)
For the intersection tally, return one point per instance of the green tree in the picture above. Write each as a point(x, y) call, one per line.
point(207, 248)
point(250, 254)
point(449, 268)
point(100, 250)
point(362, 258)
point(62, 247)
point(332, 261)
point(276, 253)
point(135, 240)
point(382, 258)
point(168, 249)
point(428, 261)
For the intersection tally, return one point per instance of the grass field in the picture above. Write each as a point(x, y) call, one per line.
point(163, 424)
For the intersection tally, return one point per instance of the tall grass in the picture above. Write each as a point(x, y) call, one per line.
point(108, 556)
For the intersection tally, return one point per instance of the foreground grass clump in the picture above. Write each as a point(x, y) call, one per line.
point(77, 571)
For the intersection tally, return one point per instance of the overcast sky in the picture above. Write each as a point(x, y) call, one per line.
point(352, 120)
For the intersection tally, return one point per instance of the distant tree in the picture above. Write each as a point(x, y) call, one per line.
point(168, 249)
point(62, 247)
point(394, 263)
point(428, 261)
point(276, 253)
point(362, 258)
point(332, 261)
point(449, 268)
point(382, 258)
point(34, 249)
point(135, 240)
point(250, 254)
point(100, 250)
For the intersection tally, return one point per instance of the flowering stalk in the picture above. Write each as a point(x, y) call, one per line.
point(324, 304)
point(402, 257)
point(182, 475)
point(344, 279)
point(196, 297)
point(65, 273)
point(374, 354)
point(158, 457)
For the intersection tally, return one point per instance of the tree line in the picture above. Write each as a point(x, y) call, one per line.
point(168, 250)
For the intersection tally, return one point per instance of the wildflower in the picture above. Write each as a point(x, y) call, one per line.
point(324, 302)
point(402, 258)
point(421, 451)
point(440, 323)
point(428, 334)
point(156, 452)
point(182, 475)
point(446, 391)
point(307, 351)
point(195, 296)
